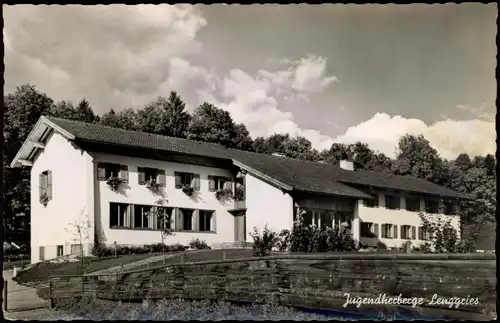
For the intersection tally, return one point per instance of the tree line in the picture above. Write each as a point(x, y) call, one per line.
point(473, 175)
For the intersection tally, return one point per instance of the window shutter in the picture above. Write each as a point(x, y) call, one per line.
point(127, 216)
point(413, 233)
point(213, 227)
point(153, 218)
point(228, 184)
point(178, 182)
point(395, 232)
point(49, 184)
point(403, 229)
point(142, 175)
point(211, 184)
point(178, 222)
point(124, 173)
point(161, 177)
point(195, 220)
point(375, 228)
point(196, 182)
point(41, 180)
point(101, 171)
point(132, 215)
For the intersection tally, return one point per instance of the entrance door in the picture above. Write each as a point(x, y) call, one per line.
point(240, 227)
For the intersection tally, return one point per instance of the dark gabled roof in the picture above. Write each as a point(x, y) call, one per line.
point(103, 134)
point(324, 177)
point(301, 175)
point(296, 174)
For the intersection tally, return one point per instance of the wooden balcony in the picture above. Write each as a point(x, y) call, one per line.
point(237, 206)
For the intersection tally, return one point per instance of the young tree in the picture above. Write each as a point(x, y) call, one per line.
point(80, 229)
point(85, 113)
point(175, 120)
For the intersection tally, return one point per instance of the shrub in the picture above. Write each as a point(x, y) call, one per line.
point(381, 245)
point(198, 244)
point(104, 251)
point(284, 240)
point(263, 244)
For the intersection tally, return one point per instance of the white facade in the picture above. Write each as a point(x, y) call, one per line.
point(381, 215)
point(52, 225)
point(79, 196)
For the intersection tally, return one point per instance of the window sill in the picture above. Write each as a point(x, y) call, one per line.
point(159, 230)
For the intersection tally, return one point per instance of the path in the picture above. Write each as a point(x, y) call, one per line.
point(21, 300)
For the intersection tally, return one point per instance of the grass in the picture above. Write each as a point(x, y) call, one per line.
point(204, 255)
point(42, 271)
point(177, 309)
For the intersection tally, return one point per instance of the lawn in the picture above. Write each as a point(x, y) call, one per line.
point(40, 273)
point(205, 255)
point(16, 263)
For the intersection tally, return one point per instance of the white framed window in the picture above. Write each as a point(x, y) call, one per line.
point(45, 184)
point(187, 179)
point(110, 170)
point(205, 220)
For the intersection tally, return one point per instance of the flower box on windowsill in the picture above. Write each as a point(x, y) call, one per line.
point(44, 199)
point(114, 183)
point(154, 187)
point(224, 194)
point(188, 190)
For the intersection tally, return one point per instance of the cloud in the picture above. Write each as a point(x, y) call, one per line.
point(449, 137)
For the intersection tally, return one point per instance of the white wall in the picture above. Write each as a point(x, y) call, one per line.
point(266, 204)
point(51, 224)
point(400, 217)
point(139, 194)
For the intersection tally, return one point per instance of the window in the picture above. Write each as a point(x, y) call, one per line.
point(60, 251)
point(164, 218)
point(142, 216)
point(412, 204)
point(405, 231)
point(205, 220)
point(187, 179)
point(431, 206)
point(369, 230)
point(118, 213)
point(423, 234)
point(45, 183)
point(449, 208)
point(76, 248)
point(109, 170)
point(326, 218)
point(41, 253)
point(392, 202)
point(151, 174)
point(185, 219)
point(216, 183)
point(389, 231)
point(371, 202)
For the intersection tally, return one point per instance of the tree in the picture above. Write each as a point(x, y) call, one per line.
point(336, 153)
point(241, 138)
point(417, 158)
point(211, 124)
point(80, 229)
point(150, 119)
point(85, 113)
point(63, 109)
point(175, 120)
point(22, 110)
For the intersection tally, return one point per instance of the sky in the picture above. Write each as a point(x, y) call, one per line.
point(330, 73)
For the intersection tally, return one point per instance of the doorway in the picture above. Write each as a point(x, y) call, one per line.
point(240, 227)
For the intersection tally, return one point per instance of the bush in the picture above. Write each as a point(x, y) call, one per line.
point(304, 238)
point(284, 240)
point(263, 244)
point(104, 251)
point(381, 245)
point(198, 244)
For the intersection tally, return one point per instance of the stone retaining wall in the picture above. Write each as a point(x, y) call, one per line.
point(312, 281)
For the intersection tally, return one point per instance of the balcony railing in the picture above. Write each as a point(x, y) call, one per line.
point(239, 205)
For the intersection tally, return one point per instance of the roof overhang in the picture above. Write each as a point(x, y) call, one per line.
point(34, 142)
point(281, 185)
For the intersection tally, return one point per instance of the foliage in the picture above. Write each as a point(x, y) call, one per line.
point(198, 244)
point(188, 190)
point(381, 245)
point(298, 147)
point(239, 193)
point(263, 243)
point(154, 187)
point(81, 231)
point(126, 119)
point(85, 113)
point(44, 199)
point(284, 240)
point(443, 236)
point(225, 193)
point(104, 251)
point(114, 183)
point(308, 238)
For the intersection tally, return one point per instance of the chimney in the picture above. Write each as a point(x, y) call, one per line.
point(347, 165)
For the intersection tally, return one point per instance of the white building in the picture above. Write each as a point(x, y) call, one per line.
point(71, 162)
